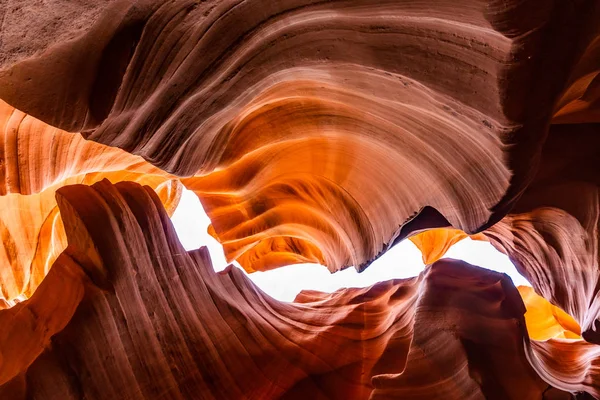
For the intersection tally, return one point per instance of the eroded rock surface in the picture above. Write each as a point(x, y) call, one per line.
point(154, 321)
point(311, 132)
point(37, 159)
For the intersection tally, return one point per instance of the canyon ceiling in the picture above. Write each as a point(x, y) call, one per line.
point(311, 131)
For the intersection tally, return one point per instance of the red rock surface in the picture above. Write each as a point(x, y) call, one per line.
point(153, 320)
point(311, 131)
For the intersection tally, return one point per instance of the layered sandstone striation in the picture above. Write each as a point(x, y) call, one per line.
point(37, 159)
point(311, 131)
point(147, 319)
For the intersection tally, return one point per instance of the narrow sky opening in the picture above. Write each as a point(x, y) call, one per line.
point(402, 261)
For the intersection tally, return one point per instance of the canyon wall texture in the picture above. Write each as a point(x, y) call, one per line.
point(311, 131)
point(143, 318)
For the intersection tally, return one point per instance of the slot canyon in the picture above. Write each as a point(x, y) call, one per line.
point(311, 131)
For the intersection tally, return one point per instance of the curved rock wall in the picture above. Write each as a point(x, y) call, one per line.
point(311, 131)
point(146, 319)
point(37, 159)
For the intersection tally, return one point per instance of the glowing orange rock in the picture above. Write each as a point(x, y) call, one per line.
point(37, 159)
point(311, 131)
point(546, 321)
point(442, 334)
point(434, 243)
point(29, 325)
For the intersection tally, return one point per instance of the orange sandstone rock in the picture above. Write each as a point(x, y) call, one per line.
point(37, 160)
point(435, 243)
point(311, 131)
point(158, 321)
point(546, 321)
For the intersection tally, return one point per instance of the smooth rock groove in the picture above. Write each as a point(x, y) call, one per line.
point(311, 131)
point(146, 319)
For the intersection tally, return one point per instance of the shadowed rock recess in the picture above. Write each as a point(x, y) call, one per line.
point(311, 131)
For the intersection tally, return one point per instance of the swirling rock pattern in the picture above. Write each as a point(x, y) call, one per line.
point(552, 234)
point(194, 87)
point(36, 160)
point(188, 85)
point(149, 323)
point(312, 132)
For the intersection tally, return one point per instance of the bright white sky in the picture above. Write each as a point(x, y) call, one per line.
point(402, 261)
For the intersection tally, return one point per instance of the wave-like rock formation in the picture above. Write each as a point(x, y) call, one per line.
point(354, 90)
point(311, 131)
point(37, 160)
point(142, 318)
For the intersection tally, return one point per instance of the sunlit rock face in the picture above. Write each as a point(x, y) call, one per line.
point(434, 243)
point(311, 132)
point(36, 160)
point(139, 317)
